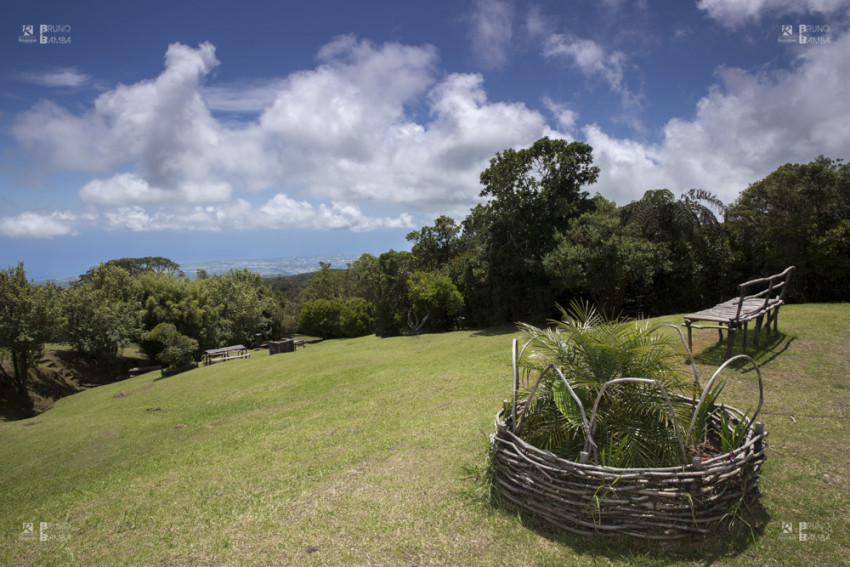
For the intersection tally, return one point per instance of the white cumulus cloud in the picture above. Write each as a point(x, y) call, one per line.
point(746, 126)
point(379, 123)
point(279, 212)
point(733, 13)
point(32, 224)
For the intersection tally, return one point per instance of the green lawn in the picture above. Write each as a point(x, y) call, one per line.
point(359, 452)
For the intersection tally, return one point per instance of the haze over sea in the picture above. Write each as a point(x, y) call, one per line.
point(266, 267)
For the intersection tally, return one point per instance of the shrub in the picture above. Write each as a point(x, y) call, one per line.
point(320, 317)
point(333, 318)
point(357, 318)
point(178, 349)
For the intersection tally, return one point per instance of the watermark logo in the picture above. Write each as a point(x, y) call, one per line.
point(27, 34)
point(805, 531)
point(48, 34)
point(814, 35)
point(47, 531)
point(807, 34)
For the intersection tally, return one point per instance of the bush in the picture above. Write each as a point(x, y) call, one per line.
point(178, 349)
point(320, 317)
point(357, 318)
point(333, 318)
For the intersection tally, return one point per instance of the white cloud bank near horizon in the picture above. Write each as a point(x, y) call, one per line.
point(322, 141)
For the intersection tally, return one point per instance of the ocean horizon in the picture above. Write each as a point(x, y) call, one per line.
point(269, 267)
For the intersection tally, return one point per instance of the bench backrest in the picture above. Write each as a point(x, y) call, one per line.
point(771, 288)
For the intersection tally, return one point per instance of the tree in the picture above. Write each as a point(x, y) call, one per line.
point(435, 300)
point(391, 272)
point(600, 256)
point(102, 312)
point(98, 325)
point(533, 194)
point(435, 246)
point(325, 284)
point(245, 306)
point(156, 264)
point(690, 233)
point(780, 220)
point(29, 317)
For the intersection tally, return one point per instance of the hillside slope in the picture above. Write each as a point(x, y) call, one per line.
point(354, 452)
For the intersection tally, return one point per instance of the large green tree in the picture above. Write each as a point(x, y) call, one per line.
point(695, 272)
point(532, 194)
point(600, 257)
point(392, 270)
point(783, 219)
point(245, 305)
point(30, 315)
point(103, 312)
point(435, 246)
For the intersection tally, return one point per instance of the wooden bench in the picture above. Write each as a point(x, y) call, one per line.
point(756, 300)
point(214, 355)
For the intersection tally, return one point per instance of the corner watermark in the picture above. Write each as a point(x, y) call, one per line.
point(48, 34)
point(45, 531)
point(805, 34)
point(808, 532)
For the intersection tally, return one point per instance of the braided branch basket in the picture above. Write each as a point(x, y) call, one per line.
point(653, 503)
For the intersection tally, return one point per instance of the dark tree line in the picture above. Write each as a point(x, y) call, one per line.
point(540, 239)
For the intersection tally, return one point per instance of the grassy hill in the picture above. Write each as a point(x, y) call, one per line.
point(362, 452)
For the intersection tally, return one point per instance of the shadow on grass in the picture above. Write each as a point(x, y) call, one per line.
point(59, 373)
point(726, 541)
point(499, 331)
point(768, 350)
point(169, 372)
point(13, 404)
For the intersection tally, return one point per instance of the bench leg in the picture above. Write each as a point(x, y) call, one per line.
point(690, 336)
point(759, 321)
point(745, 336)
point(729, 340)
point(776, 320)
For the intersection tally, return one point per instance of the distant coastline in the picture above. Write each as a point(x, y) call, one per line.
point(268, 267)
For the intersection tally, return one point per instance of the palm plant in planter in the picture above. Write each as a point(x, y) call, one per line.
point(634, 426)
point(610, 437)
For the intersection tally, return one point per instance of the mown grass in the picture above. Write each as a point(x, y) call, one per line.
point(364, 452)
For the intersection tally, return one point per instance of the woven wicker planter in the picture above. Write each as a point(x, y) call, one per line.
point(655, 503)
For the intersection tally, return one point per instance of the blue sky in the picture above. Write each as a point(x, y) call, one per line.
point(214, 130)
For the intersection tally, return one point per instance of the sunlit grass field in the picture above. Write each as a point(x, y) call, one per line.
point(365, 452)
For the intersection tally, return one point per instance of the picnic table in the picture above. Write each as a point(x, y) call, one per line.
point(213, 355)
point(756, 300)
